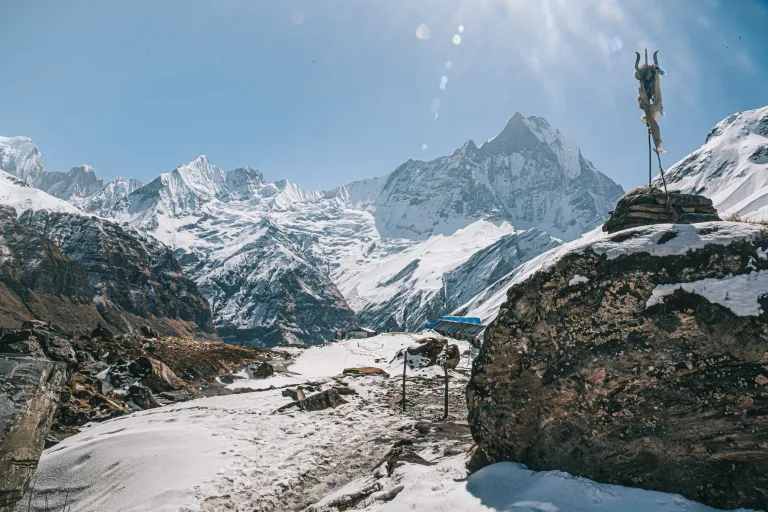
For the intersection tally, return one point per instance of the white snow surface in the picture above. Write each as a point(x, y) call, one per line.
point(739, 293)
point(503, 487)
point(577, 279)
point(378, 351)
point(15, 193)
point(689, 237)
point(731, 168)
point(175, 457)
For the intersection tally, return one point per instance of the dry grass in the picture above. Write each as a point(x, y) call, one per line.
point(738, 218)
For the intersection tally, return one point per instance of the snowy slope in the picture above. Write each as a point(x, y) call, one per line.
point(15, 193)
point(731, 167)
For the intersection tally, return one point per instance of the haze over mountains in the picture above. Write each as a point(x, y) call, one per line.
point(278, 263)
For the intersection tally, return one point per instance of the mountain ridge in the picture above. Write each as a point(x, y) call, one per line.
point(336, 249)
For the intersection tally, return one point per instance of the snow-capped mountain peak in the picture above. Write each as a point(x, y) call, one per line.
point(731, 167)
point(516, 137)
point(20, 157)
point(201, 176)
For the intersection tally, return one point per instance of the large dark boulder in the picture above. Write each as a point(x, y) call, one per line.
point(29, 396)
point(140, 397)
point(322, 400)
point(639, 359)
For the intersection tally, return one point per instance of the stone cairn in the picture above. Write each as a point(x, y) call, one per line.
point(644, 205)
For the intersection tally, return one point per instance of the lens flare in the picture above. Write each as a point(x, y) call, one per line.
point(422, 32)
point(435, 105)
point(460, 30)
point(423, 147)
point(456, 39)
point(298, 18)
point(448, 64)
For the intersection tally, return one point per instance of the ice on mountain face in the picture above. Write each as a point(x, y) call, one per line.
point(731, 167)
point(243, 182)
point(110, 194)
point(77, 184)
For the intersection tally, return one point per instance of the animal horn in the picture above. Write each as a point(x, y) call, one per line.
point(637, 62)
point(646, 56)
point(656, 58)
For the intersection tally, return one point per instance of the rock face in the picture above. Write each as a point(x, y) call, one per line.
point(80, 271)
point(29, 395)
point(639, 359)
point(641, 206)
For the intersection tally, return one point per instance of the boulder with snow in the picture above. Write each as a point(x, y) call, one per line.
point(322, 400)
point(259, 370)
point(642, 206)
point(365, 370)
point(638, 358)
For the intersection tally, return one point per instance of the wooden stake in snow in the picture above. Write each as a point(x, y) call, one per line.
point(445, 369)
point(405, 362)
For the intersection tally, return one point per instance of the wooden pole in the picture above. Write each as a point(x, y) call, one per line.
point(405, 362)
point(445, 369)
point(650, 178)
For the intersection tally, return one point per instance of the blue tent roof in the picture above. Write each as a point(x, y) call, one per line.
point(463, 319)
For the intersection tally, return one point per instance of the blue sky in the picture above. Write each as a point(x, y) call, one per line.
point(324, 92)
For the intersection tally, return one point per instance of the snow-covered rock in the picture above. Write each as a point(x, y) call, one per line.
point(635, 358)
point(731, 168)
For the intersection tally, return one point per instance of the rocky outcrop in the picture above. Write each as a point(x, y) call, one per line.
point(430, 352)
point(29, 395)
point(642, 206)
point(639, 359)
point(113, 374)
point(79, 272)
point(322, 400)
